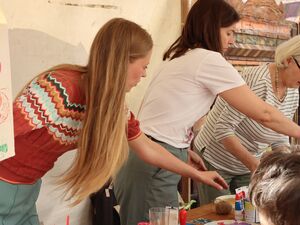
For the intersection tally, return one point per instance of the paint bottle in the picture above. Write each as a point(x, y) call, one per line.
point(239, 208)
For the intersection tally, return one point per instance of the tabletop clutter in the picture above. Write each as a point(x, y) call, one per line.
point(244, 212)
point(168, 215)
point(240, 202)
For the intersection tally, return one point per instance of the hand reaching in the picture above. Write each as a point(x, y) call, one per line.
point(212, 178)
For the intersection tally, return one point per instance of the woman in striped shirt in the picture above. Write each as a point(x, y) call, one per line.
point(232, 143)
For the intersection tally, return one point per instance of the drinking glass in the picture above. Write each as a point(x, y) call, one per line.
point(163, 216)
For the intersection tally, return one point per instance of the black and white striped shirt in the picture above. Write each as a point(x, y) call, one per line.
point(223, 121)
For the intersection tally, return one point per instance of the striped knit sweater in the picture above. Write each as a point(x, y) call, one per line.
point(47, 122)
point(48, 118)
point(224, 121)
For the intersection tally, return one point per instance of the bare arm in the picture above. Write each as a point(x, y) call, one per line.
point(233, 145)
point(244, 100)
point(156, 155)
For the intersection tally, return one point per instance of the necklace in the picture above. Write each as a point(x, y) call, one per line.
point(277, 87)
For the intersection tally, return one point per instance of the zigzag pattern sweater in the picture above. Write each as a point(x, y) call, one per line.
point(47, 121)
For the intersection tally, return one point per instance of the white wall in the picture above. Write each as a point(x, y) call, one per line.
point(44, 33)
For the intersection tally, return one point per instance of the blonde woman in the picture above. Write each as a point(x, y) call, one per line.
point(82, 107)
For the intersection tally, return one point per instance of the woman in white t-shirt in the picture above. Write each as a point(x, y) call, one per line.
point(182, 92)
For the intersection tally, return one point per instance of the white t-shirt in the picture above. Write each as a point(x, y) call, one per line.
point(182, 92)
point(51, 207)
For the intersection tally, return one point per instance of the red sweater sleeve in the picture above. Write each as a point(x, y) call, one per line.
point(134, 130)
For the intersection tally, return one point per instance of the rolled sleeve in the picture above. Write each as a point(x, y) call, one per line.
point(133, 130)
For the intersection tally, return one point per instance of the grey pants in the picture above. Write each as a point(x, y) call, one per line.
point(140, 186)
point(17, 203)
point(208, 194)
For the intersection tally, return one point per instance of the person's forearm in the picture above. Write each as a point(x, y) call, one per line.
point(164, 159)
point(244, 100)
point(233, 145)
point(156, 155)
point(281, 124)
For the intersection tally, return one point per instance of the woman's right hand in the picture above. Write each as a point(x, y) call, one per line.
point(212, 178)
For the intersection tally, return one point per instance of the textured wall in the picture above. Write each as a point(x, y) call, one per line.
point(47, 32)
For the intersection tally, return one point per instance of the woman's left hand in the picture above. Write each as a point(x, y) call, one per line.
point(196, 161)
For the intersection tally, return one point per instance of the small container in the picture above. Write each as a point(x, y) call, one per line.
point(239, 208)
point(163, 215)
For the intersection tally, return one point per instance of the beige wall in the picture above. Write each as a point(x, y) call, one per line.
point(44, 33)
point(47, 32)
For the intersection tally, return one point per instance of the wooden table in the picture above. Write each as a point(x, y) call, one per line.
point(207, 212)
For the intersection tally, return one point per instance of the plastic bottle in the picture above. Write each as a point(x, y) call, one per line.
point(239, 208)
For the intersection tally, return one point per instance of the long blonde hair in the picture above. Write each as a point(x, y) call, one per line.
point(103, 146)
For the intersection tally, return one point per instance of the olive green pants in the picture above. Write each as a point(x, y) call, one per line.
point(208, 194)
point(140, 186)
point(17, 203)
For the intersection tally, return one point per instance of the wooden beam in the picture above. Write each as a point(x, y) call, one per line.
point(185, 7)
